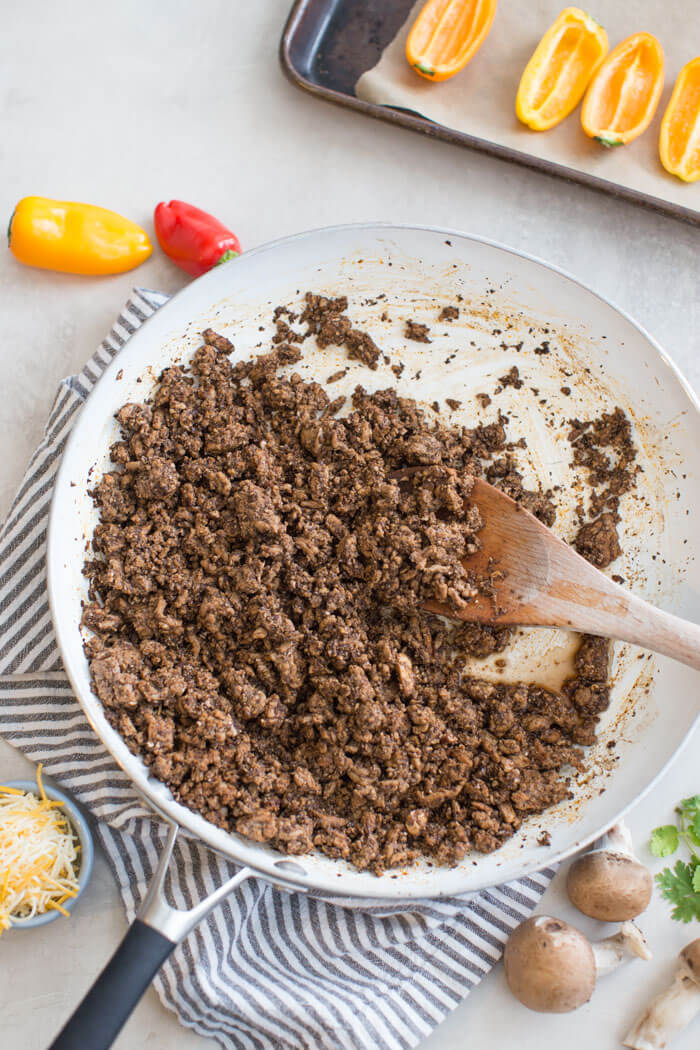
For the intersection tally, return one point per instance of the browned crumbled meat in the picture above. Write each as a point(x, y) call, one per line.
point(606, 451)
point(544, 839)
point(335, 376)
point(361, 347)
point(221, 343)
point(503, 473)
point(419, 333)
point(326, 319)
point(483, 399)
point(448, 313)
point(598, 541)
point(589, 700)
point(480, 639)
point(453, 403)
point(593, 659)
point(540, 504)
point(511, 378)
point(281, 312)
point(255, 591)
point(398, 369)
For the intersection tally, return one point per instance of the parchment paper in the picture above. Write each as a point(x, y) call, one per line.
point(480, 101)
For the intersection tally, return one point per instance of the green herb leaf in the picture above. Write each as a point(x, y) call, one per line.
point(681, 884)
point(677, 886)
point(690, 807)
point(664, 840)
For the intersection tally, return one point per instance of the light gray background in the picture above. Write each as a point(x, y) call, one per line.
point(126, 104)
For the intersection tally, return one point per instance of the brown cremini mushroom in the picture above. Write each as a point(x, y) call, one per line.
point(672, 1011)
point(610, 883)
point(552, 968)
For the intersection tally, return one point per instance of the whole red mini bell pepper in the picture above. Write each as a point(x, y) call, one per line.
point(193, 239)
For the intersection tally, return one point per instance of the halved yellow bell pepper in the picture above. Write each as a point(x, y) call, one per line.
point(447, 34)
point(679, 141)
point(75, 238)
point(555, 78)
point(622, 98)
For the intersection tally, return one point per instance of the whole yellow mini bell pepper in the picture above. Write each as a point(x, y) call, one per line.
point(75, 238)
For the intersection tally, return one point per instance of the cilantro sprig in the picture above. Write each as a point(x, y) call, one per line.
point(680, 885)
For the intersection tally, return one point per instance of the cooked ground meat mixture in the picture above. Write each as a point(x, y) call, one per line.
point(604, 448)
point(255, 626)
point(335, 376)
point(448, 313)
point(419, 333)
point(598, 541)
point(326, 319)
point(511, 378)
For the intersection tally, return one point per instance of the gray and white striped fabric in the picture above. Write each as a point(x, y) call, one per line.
point(267, 970)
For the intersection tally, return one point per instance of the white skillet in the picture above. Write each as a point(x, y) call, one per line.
point(596, 351)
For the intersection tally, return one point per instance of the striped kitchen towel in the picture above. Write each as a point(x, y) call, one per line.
point(267, 970)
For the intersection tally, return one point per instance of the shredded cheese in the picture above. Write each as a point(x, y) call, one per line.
point(39, 855)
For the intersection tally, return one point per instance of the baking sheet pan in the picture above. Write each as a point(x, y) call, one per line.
point(330, 45)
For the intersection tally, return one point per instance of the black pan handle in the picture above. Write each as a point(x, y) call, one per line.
point(105, 1009)
point(155, 931)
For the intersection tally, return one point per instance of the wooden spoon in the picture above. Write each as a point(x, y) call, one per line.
point(539, 580)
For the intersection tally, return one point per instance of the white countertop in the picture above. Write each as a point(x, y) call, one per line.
point(130, 103)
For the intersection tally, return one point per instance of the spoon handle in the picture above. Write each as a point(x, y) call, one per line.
point(596, 605)
point(642, 624)
point(665, 633)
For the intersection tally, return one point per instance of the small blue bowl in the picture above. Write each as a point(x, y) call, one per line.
point(87, 849)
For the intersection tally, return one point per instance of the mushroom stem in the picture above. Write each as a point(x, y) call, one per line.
point(619, 840)
point(628, 943)
point(669, 1013)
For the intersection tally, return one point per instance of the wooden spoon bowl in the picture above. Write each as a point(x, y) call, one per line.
point(538, 580)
